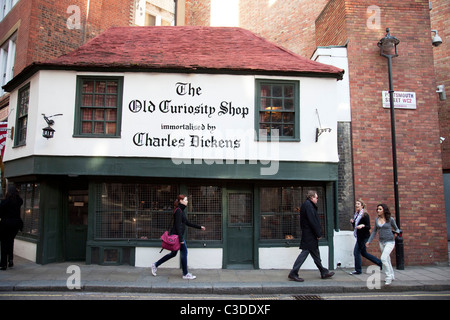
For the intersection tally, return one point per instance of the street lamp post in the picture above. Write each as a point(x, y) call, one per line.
point(388, 49)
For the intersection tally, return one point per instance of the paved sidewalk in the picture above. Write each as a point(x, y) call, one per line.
point(29, 276)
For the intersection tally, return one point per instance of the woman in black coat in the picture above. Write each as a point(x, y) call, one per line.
point(10, 224)
point(180, 222)
point(361, 225)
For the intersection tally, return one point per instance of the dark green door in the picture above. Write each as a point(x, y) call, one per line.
point(239, 250)
point(77, 223)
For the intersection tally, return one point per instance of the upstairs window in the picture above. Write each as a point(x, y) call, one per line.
point(20, 136)
point(98, 107)
point(7, 58)
point(277, 103)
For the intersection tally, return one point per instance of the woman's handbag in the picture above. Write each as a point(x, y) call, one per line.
point(170, 242)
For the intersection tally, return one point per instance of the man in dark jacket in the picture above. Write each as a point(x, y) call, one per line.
point(311, 233)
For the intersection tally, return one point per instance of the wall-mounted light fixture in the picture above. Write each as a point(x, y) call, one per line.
point(320, 130)
point(436, 40)
point(48, 131)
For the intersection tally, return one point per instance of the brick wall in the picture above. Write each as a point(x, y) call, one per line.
point(43, 32)
point(421, 195)
point(440, 21)
point(198, 13)
point(286, 23)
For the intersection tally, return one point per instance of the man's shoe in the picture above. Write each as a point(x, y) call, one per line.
point(10, 264)
point(328, 275)
point(295, 278)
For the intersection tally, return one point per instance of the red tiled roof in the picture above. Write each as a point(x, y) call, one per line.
point(183, 49)
point(190, 48)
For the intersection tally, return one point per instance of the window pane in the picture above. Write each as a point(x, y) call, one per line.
point(88, 100)
point(111, 100)
point(88, 86)
point(277, 91)
point(112, 87)
point(288, 91)
point(276, 116)
point(99, 101)
point(86, 127)
point(100, 87)
point(111, 115)
point(111, 128)
point(288, 104)
point(99, 127)
point(288, 131)
point(264, 117)
point(86, 114)
point(266, 103)
point(288, 117)
point(99, 114)
point(265, 90)
point(277, 104)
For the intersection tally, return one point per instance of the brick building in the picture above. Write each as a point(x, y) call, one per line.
point(357, 26)
point(440, 11)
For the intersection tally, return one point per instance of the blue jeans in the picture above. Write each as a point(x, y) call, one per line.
point(183, 253)
point(361, 250)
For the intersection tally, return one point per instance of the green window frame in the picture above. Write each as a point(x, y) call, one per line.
point(278, 108)
point(98, 107)
point(23, 101)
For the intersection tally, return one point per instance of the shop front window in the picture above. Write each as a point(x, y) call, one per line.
point(205, 209)
point(30, 193)
point(280, 214)
point(132, 211)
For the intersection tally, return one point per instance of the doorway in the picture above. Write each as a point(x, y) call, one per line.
point(77, 225)
point(240, 229)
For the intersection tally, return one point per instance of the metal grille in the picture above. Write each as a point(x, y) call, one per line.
point(125, 211)
point(280, 214)
point(205, 209)
point(308, 297)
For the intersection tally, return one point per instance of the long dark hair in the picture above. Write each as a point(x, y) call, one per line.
point(177, 201)
point(386, 211)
